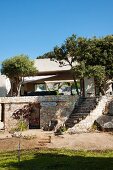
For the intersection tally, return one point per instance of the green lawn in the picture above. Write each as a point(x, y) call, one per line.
point(57, 160)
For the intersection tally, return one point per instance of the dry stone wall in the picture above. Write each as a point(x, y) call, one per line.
point(51, 108)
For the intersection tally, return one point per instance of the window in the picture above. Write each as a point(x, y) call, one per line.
point(40, 87)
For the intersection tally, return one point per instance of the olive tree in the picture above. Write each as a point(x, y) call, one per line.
point(97, 54)
point(16, 68)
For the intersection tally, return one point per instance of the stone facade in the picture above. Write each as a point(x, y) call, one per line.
point(50, 108)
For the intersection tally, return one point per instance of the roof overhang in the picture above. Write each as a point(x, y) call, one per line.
point(36, 78)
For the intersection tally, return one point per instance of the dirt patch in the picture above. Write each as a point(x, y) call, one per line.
point(84, 141)
point(12, 144)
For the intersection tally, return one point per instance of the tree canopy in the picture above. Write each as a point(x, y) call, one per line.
point(67, 53)
point(97, 54)
point(93, 55)
point(16, 68)
point(98, 51)
point(46, 55)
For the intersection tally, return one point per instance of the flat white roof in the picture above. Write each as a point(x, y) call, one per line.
point(47, 65)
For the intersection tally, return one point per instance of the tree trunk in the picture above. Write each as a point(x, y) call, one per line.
point(11, 88)
point(102, 90)
point(20, 82)
point(76, 86)
point(18, 89)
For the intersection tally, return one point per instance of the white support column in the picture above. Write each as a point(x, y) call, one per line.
point(89, 87)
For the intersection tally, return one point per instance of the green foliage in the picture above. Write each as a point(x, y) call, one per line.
point(68, 52)
point(60, 130)
point(46, 55)
point(99, 51)
point(22, 125)
point(98, 72)
point(21, 65)
point(16, 68)
point(93, 55)
point(79, 70)
point(94, 127)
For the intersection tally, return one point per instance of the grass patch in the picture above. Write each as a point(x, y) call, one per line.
point(57, 160)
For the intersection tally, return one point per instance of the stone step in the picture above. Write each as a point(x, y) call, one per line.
point(86, 103)
point(82, 109)
point(74, 121)
point(45, 140)
point(79, 114)
point(76, 117)
point(85, 107)
point(87, 99)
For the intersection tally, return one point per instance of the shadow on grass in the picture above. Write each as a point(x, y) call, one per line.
point(54, 161)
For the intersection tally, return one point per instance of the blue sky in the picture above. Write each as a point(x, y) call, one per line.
point(34, 27)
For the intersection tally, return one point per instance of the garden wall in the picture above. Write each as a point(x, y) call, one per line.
point(50, 108)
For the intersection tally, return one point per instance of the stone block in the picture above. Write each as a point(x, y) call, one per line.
point(105, 123)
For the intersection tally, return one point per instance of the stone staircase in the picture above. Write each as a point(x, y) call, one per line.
point(81, 110)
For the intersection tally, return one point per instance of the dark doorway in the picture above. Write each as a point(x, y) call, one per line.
point(34, 120)
point(2, 112)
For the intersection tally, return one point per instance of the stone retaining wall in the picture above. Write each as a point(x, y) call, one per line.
point(51, 108)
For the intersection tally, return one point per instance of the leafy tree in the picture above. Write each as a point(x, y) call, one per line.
point(98, 51)
point(79, 70)
point(87, 57)
point(16, 68)
point(67, 54)
point(46, 55)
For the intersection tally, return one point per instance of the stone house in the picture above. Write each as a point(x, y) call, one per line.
point(44, 109)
